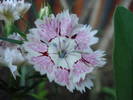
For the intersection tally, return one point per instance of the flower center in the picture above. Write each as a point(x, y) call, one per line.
point(62, 52)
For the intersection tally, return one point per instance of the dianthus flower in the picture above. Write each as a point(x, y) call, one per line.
point(10, 54)
point(61, 48)
point(11, 10)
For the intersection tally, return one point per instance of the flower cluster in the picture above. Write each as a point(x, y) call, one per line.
point(11, 10)
point(61, 48)
point(10, 54)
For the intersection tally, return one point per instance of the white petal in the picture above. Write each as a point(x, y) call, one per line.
point(13, 70)
point(63, 63)
point(72, 58)
point(87, 83)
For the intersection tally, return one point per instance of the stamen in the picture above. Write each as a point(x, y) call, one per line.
point(78, 51)
point(60, 44)
point(62, 53)
point(71, 54)
point(67, 63)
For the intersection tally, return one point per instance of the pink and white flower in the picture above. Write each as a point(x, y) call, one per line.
point(10, 54)
point(11, 10)
point(61, 48)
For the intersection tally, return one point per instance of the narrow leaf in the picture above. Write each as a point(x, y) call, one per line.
point(11, 40)
point(123, 54)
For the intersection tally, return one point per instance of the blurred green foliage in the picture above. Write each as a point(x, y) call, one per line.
point(110, 93)
point(40, 93)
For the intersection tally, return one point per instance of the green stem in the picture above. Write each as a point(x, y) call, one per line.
point(8, 28)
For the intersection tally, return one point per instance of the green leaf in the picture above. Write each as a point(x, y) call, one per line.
point(123, 53)
point(11, 40)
